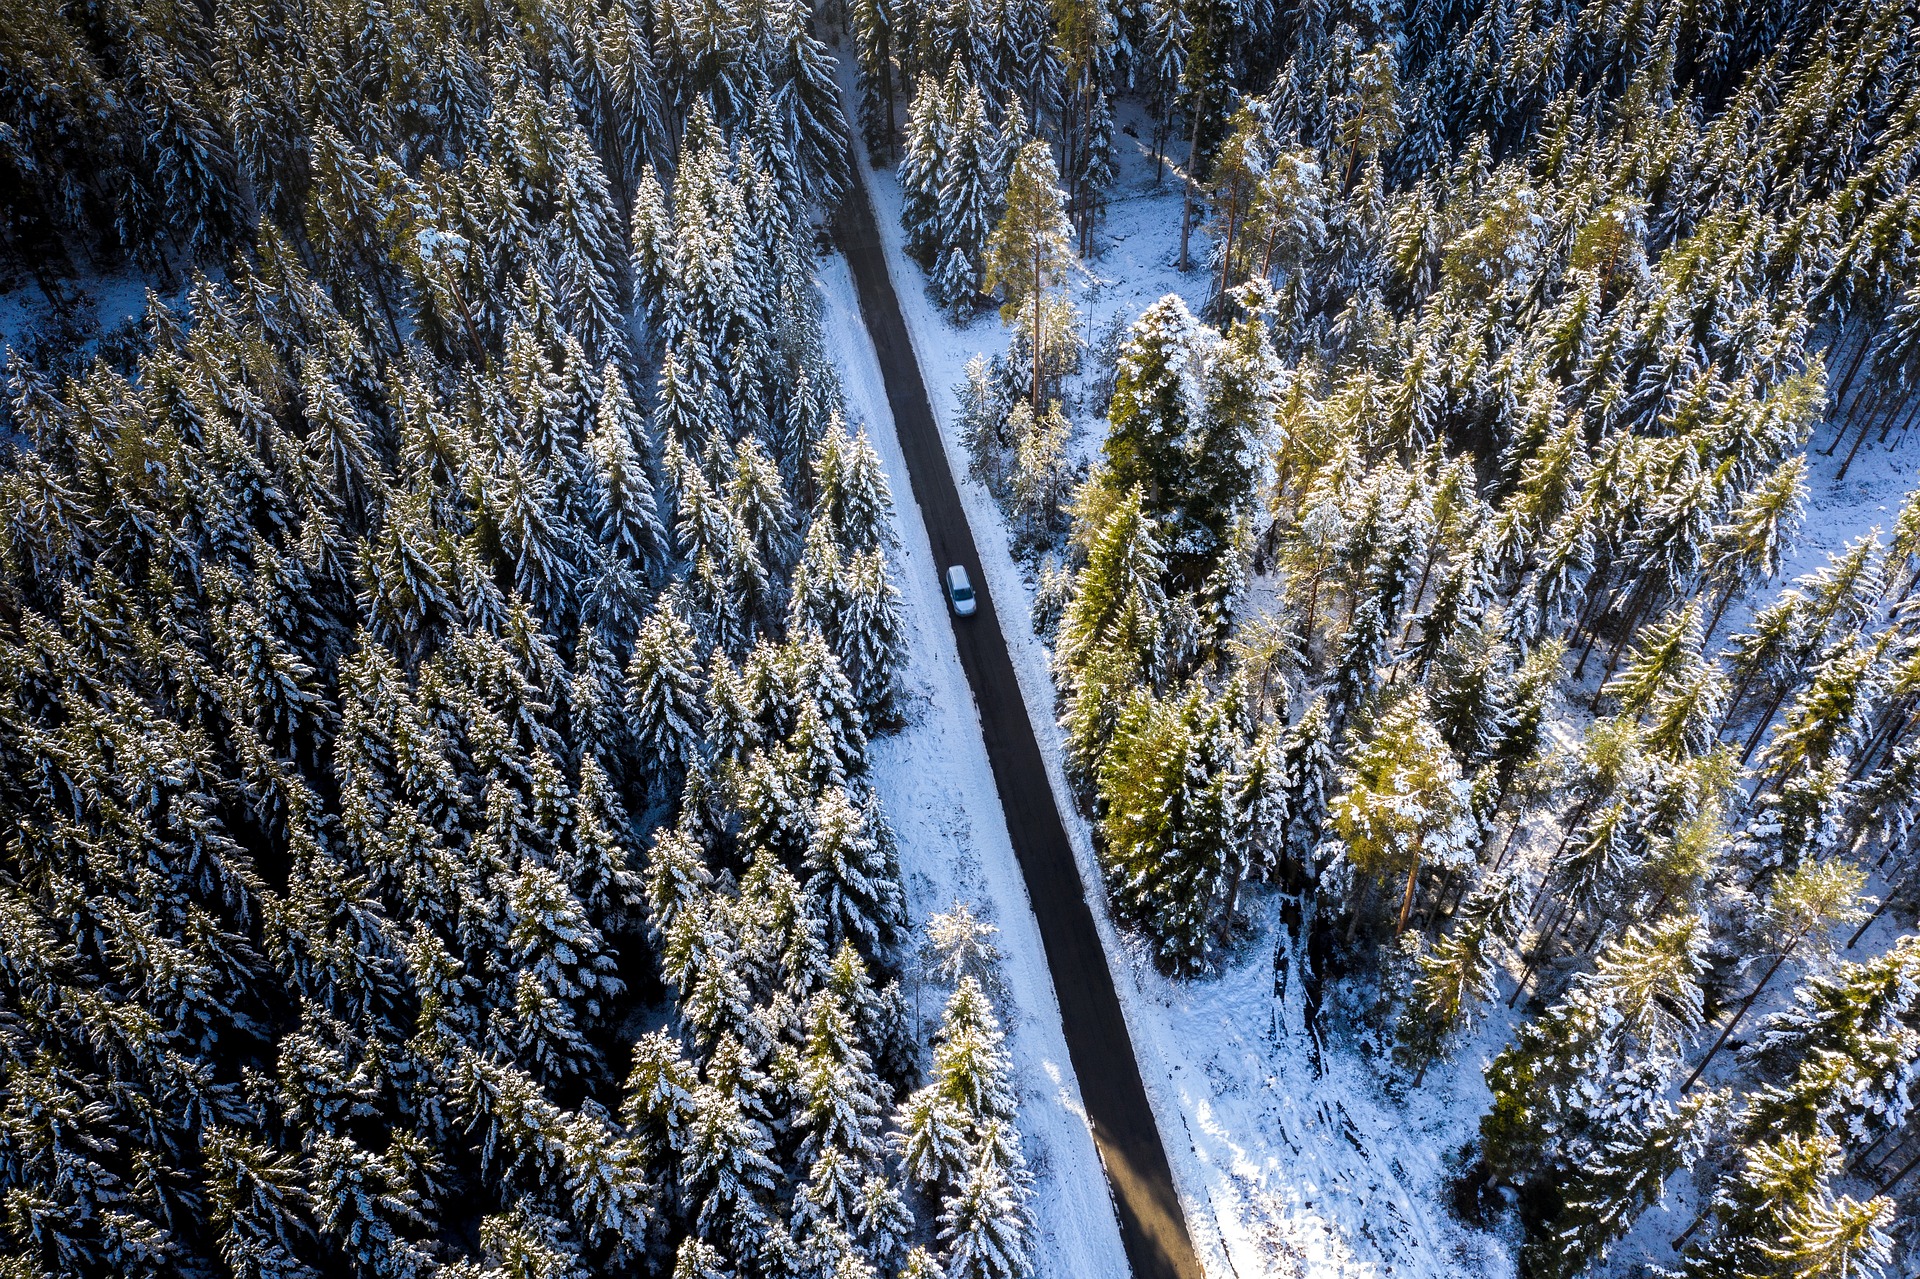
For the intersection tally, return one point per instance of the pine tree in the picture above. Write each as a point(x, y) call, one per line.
point(869, 637)
point(843, 1101)
point(967, 199)
point(985, 1228)
point(730, 1175)
point(851, 874)
point(1857, 1020)
point(1623, 1177)
point(922, 166)
point(663, 696)
point(1040, 477)
point(1029, 254)
point(1110, 637)
point(259, 1205)
point(1403, 805)
point(567, 977)
point(1621, 1024)
point(1750, 545)
point(627, 518)
point(757, 500)
point(1776, 1215)
point(1187, 413)
point(1168, 827)
point(1804, 906)
point(873, 23)
point(1458, 974)
point(931, 1139)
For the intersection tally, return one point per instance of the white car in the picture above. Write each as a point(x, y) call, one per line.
point(960, 591)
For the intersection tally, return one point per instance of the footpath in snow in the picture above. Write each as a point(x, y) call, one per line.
point(938, 792)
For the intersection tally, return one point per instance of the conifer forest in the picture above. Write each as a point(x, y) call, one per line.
point(474, 663)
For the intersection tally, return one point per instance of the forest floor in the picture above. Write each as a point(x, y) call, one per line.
point(1290, 1160)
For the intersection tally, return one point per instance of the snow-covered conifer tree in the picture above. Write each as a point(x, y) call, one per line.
point(968, 200)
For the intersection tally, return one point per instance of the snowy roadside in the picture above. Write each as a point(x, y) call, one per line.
point(1281, 1171)
point(938, 792)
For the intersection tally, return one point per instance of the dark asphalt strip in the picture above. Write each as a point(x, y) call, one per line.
point(1152, 1226)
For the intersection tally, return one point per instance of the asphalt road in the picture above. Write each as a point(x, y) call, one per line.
point(1152, 1227)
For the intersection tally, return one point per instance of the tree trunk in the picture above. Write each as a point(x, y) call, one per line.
point(1886, 900)
point(1419, 592)
point(1860, 353)
point(1638, 605)
point(1406, 903)
point(1898, 1177)
point(1226, 256)
point(1913, 414)
point(1699, 1218)
point(1193, 146)
point(1865, 426)
point(1313, 605)
point(1186, 199)
point(1539, 953)
point(1745, 1004)
point(1359, 909)
point(1233, 901)
point(1840, 427)
point(1519, 820)
point(1035, 352)
point(1733, 702)
point(1598, 593)
point(1719, 611)
point(1761, 727)
point(1898, 722)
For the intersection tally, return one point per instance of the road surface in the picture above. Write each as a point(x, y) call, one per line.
point(1152, 1226)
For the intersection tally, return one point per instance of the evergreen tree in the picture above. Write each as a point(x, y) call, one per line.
point(1188, 412)
point(627, 519)
point(852, 874)
point(967, 200)
point(1458, 973)
point(1604, 1051)
point(1403, 805)
point(984, 1227)
point(1029, 254)
point(1775, 1214)
point(663, 698)
point(923, 165)
point(1169, 824)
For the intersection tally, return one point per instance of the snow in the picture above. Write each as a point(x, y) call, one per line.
point(97, 304)
point(1282, 1170)
point(1286, 1167)
point(938, 792)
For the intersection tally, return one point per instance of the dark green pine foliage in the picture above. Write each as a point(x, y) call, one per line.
point(418, 755)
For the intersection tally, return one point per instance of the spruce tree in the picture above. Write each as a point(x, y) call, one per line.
point(921, 168)
point(1608, 1046)
point(1030, 254)
point(1403, 805)
point(968, 200)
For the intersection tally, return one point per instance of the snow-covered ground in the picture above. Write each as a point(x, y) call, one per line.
point(96, 306)
point(1284, 1168)
point(938, 792)
point(1282, 1171)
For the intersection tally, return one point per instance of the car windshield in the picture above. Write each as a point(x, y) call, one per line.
point(963, 592)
